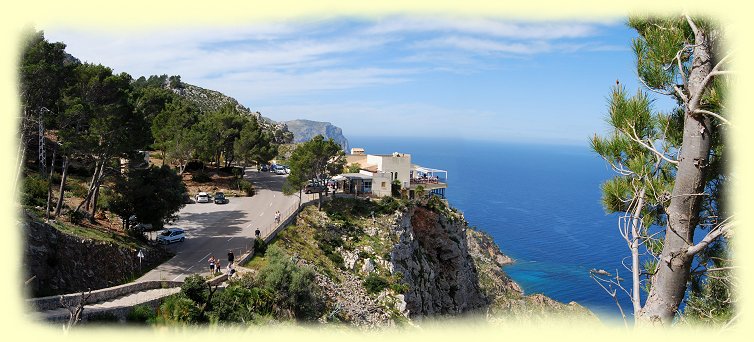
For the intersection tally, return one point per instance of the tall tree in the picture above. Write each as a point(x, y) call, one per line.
point(44, 72)
point(153, 195)
point(109, 125)
point(312, 161)
point(677, 185)
point(254, 144)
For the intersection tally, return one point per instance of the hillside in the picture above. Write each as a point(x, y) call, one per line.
point(389, 262)
point(210, 100)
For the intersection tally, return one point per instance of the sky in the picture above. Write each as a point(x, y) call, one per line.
point(427, 76)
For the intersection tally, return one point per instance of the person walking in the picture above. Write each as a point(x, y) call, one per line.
point(231, 258)
point(218, 268)
point(277, 216)
point(257, 233)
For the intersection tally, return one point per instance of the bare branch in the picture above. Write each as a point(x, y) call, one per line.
point(713, 234)
point(635, 137)
point(696, 97)
point(706, 112)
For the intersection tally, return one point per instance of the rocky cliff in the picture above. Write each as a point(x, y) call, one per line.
point(433, 258)
point(429, 261)
point(61, 263)
point(305, 130)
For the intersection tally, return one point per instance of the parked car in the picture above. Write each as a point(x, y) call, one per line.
point(314, 188)
point(171, 235)
point(273, 168)
point(202, 197)
point(220, 198)
point(281, 170)
point(264, 168)
point(138, 225)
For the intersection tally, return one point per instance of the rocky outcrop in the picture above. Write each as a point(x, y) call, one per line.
point(433, 258)
point(305, 130)
point(60, 263)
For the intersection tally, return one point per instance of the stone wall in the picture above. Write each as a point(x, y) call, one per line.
point(60, 263)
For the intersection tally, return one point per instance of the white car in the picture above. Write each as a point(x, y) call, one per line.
point(280, 171)
point(202, 197)
point(171, 235)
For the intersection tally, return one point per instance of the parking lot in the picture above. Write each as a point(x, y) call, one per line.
point(213, 229)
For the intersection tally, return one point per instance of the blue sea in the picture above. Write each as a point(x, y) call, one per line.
point(541, 203)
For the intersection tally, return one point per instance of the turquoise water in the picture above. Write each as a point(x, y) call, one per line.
point(540, 203)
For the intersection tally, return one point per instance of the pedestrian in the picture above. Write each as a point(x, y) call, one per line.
point(218, 268)
point(277, 216)
point(231, 270)
point(256, 233)
point(231, 257)
point(212, 264)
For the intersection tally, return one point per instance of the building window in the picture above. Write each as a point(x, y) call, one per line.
point(383, 184)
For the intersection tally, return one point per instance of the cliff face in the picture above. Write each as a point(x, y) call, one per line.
point(63, 263)
point(433, 257)
point(305, 130)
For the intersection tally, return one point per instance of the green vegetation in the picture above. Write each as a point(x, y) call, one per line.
point(281, 290)
point(671, 166)
point(95, 119)
point(313, 161)
point(141, 314)
point(374, 283)
point(153, 195)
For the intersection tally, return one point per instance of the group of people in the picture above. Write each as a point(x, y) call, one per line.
point(215, 266)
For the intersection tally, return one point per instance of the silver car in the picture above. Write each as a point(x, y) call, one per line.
point(171, 235)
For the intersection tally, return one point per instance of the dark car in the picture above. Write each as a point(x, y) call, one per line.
point(220, 198)
point(264, 168)
point(314, 188)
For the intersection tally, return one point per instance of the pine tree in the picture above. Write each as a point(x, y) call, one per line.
point(671, 166)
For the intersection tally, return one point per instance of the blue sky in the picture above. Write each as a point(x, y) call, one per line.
point(470, 77)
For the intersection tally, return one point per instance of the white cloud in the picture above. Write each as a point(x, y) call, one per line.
point(490, 27)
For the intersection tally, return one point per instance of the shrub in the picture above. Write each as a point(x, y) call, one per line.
point(178, 309)
point(296, 292)
point(374, 283)
point(245, 186)
point(201, 177)
point(194, 165)
point(35, 191)
point(260, 247)
point(76, 216)
point(141, 314)
point(194, 288)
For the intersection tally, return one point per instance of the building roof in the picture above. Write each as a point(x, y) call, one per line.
point(352, 176)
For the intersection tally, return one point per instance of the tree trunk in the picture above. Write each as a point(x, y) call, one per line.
point(670, 281)
point(97, 184)
point(63, 178)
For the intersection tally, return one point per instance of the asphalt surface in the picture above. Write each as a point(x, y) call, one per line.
point(214, 229)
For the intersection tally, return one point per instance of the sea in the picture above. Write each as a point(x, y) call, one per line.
point(541, 204)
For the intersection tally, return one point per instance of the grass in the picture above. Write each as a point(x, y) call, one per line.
point(256, 263)
point(96, 234)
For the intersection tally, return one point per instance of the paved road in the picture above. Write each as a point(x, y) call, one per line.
point(213, 229)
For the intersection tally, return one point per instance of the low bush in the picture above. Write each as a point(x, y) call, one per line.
point(374, 283)
point(245, 186)
point(201, 177)
point(34, 191)
point(141, 314)
point(260, 247)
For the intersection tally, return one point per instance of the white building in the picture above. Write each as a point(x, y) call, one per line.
point(377, 173)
